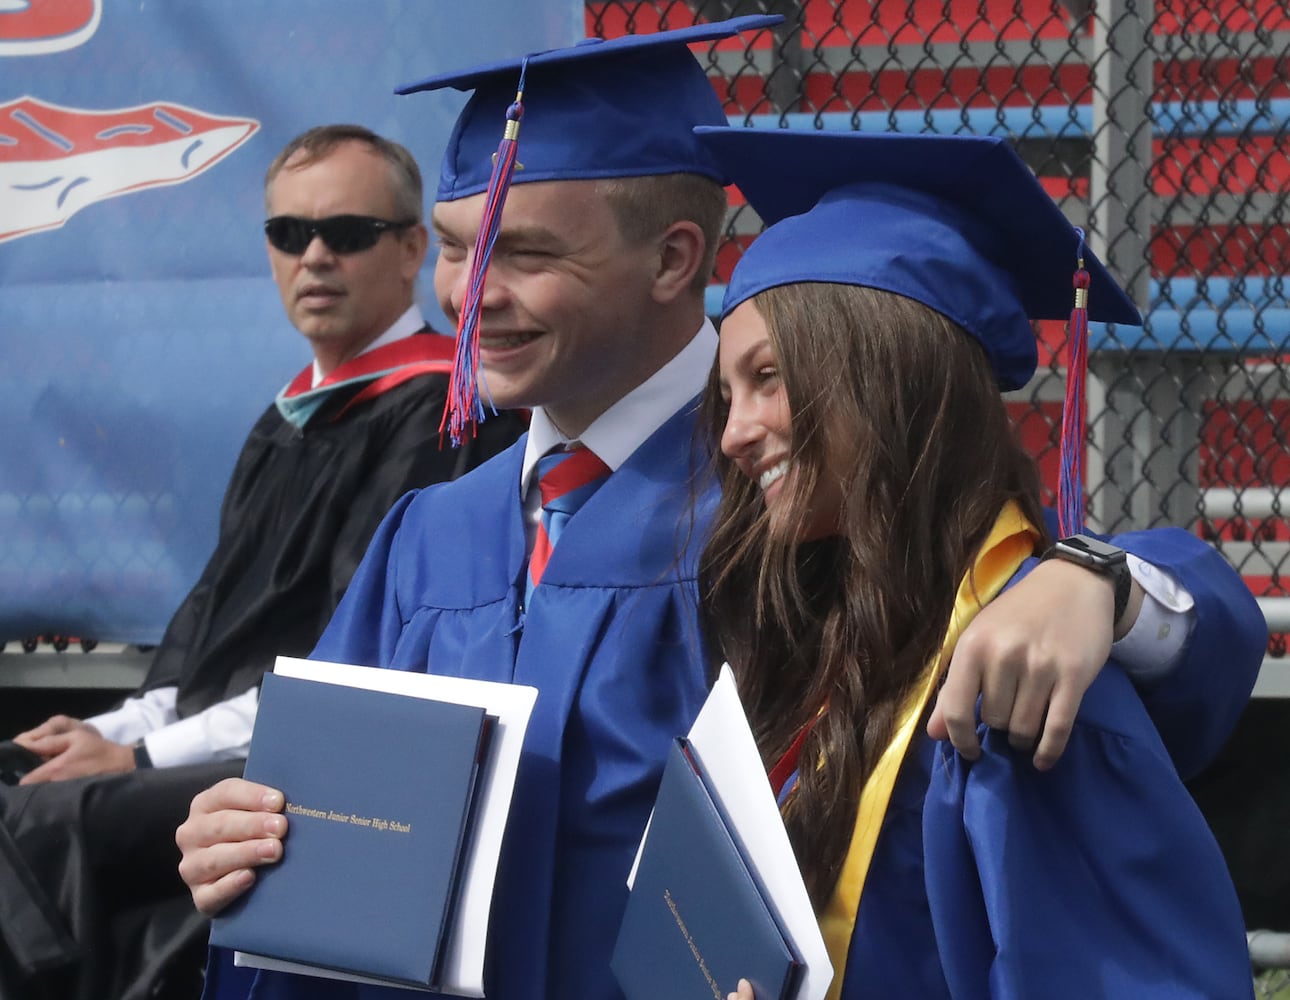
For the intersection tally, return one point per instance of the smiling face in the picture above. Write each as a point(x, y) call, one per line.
point(568, 316)
point(342, 302)
point(758, 432)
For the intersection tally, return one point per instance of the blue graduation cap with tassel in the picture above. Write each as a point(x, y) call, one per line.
point(624, 107)
point(958, 223)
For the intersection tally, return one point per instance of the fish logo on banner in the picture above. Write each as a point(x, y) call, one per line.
point(56, 160)
point(38, 27)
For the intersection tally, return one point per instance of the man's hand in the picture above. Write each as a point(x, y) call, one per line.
point(1031, 653)
point(52, 726)
point(72, 749)
point(232, 828)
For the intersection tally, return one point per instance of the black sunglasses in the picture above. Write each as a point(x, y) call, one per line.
point(342, 233)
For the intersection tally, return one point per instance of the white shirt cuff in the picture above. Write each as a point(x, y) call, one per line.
point(221, 732)
point(139, 714)
point(1158, 638)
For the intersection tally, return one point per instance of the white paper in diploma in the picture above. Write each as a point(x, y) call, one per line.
point(725, 746)
point(511, 704)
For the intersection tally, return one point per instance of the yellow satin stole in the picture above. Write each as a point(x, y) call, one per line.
point(1011, 540)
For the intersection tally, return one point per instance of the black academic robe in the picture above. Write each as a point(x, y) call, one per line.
point(297, 517)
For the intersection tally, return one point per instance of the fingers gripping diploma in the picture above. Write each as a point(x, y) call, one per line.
point(232, 829)
point(1030, 654)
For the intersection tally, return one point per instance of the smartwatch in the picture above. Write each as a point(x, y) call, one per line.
point(1100, 557)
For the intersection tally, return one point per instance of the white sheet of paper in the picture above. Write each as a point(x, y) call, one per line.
point(727, 750)
point(511, 704)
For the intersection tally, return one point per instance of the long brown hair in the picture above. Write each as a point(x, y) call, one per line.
point(902, 405)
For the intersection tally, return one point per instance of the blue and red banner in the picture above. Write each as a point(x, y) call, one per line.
point(140, 331)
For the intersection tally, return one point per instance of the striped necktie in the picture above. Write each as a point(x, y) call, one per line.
point(566, 479)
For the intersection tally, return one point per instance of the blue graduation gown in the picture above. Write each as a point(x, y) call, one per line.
point(1196, 705)
point(1099, 878)
point(610, 641)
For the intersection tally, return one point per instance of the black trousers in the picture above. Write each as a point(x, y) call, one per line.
point(91, 903)
point(1245, 796)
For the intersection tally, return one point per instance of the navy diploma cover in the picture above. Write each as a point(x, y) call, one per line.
point(379, 791)
point(697, 920)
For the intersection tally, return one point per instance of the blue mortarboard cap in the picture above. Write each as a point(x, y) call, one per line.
point(618, 108)
point(958, 223)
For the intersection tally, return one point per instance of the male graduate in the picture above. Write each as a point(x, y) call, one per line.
point(592, 314)
point(90, 832)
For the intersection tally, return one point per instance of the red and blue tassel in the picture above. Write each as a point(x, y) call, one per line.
point(464, 408)
point(1070, 490)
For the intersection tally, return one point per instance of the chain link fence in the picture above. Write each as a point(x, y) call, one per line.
point(1161, 129)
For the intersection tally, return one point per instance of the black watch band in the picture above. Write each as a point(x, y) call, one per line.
point(1100, 557)
point(141, 758)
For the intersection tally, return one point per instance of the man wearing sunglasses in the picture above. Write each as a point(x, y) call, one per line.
point(357, 428)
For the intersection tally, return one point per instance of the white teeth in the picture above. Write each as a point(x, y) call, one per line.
point(515, 340)
point(772, 474)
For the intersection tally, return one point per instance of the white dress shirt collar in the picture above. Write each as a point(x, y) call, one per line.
point(625, 426)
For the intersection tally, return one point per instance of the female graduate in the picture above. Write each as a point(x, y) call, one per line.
point(874, 498)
